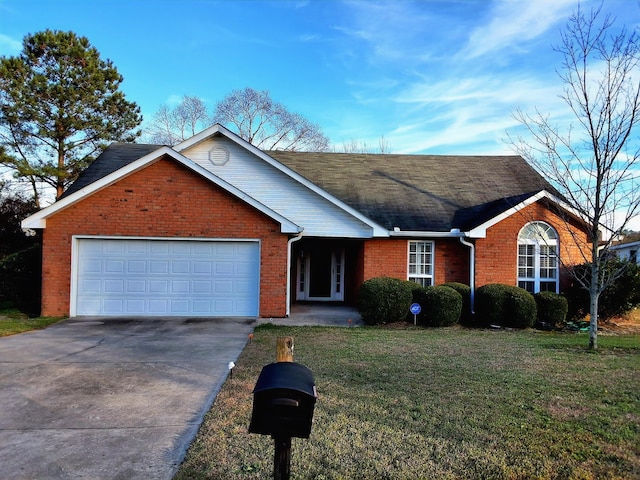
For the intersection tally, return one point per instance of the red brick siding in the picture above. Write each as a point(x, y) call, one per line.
point(164, 199)
point(389, 257)
point(497, 254)
point(452, 261)
point(385, 257)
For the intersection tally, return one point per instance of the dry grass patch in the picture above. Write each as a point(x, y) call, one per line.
point(452, 403)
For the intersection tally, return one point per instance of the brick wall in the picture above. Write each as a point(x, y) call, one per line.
point(389, 257)
point(164, 199)
point(497, 255)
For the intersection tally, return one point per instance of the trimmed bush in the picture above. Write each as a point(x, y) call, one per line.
point(465, 293)
point(488, 302)
point(552, 309)
point(384, 300)
point(505, 305)
point(441, 306)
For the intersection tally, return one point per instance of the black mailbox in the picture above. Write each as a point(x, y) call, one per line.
point(283, 401)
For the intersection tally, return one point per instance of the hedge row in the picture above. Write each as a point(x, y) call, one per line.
point(387, 300)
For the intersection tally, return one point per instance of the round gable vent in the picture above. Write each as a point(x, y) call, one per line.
point(219, 156)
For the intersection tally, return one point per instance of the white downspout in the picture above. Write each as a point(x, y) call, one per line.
point(472, 272)
point(289, 247)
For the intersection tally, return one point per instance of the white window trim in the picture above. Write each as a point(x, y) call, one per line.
point(415, 276)
point(537, 279)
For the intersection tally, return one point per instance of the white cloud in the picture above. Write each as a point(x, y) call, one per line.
point(9, 46)
point(514, 22)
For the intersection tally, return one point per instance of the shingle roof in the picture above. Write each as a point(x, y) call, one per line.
point(433, 193)
point(114, 157)
point(420, 192)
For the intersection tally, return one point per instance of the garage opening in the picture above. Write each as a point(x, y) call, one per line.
point(153, 277)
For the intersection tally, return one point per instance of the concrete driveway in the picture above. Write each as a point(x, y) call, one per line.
point(110, 398)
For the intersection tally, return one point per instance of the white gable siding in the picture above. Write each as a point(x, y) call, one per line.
point(281, 193)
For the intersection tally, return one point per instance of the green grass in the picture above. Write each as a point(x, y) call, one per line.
point(13, 321)
point(438, 403)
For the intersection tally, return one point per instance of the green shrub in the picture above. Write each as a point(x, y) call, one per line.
point(488, 306)
point(465, 293)
point(521, 308)
point(552, 309)
point(504, 305)
point(384, 300)
point(620, 297)
point(440, 305)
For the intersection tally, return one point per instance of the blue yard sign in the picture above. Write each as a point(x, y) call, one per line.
point(415, 309)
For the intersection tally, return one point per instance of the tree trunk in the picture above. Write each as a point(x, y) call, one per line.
point(593, 306)
point(60, 180)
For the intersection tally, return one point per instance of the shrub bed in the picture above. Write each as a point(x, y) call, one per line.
point(552, 310)
point(465, 293)
point(441, 306)
point(384, 300)
point(504, 305)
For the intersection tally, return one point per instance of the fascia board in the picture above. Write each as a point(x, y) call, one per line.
point(38, 219)
point(481, 230)
point(202, 136)
point(622, 246)
point(378, 230)
point(425, 234)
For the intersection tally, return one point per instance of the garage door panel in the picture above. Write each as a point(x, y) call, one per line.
point(180, 286)
point(135, 306)
point(114, 306)
point(159, 267)
point(180, 266)
point(158, 277)
point(114, 286)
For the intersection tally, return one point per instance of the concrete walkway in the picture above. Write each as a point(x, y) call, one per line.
point(318, 315)
point(119, 398)
point(110, 398)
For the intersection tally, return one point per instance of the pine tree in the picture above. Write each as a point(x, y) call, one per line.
point(59, 105)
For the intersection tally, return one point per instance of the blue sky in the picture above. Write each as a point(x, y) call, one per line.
point(431, 76)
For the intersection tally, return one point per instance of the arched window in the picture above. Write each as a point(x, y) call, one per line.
point(538, 258)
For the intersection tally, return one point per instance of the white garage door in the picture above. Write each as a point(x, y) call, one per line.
point(162, 277)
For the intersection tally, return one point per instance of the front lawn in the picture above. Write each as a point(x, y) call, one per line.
point(13, 321)
point(411, 403)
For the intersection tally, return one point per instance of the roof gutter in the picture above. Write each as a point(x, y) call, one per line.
point(472, 272)
point(453, 233)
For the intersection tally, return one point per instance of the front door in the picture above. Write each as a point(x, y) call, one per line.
point(321, 275)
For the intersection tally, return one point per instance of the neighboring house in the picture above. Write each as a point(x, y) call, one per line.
point(627, 251)
point(216, 227)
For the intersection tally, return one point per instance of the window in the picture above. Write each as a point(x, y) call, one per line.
point(538, 258)
point(421, 262)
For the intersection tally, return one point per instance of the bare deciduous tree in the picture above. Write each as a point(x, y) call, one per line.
point(174, 125)
point(266, 124)
point(355, 146)
point(594, 160)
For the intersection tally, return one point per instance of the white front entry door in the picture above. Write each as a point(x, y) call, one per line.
point(321, 275)
point(144, 277)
